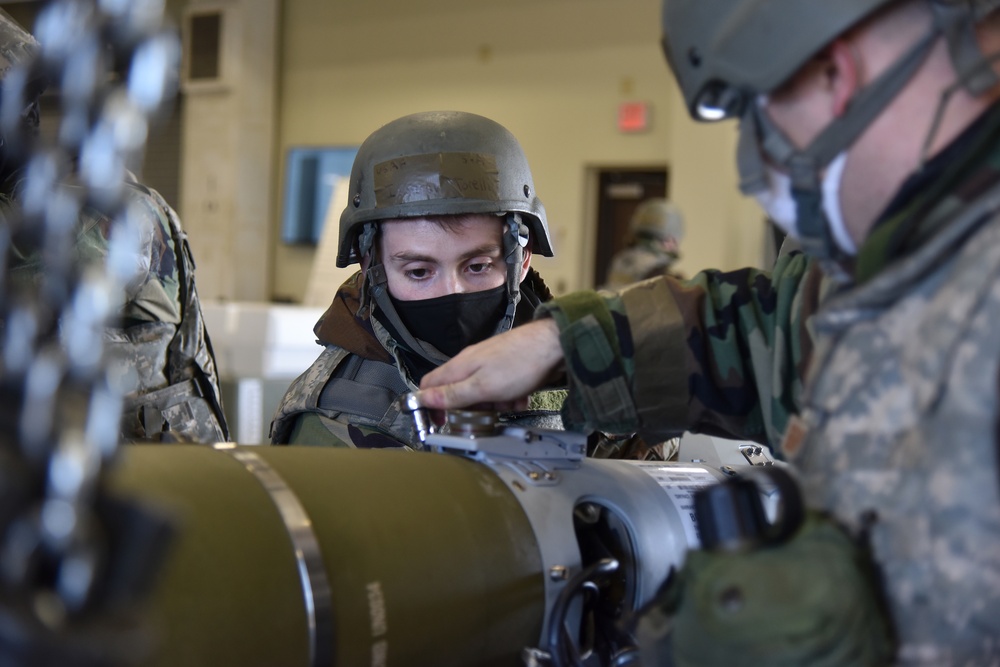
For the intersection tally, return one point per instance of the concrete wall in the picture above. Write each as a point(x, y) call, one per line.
point(227, 173)
point(552, 71)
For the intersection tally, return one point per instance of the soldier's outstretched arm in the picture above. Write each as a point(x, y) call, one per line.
point(722, 353)
point(498, 373)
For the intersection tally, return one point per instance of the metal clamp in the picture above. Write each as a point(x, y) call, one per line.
point(312, 572)
point(478, 434)
point(756, 455)
point(516, 443)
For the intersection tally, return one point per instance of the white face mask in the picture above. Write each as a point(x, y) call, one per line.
point(777, 201)
point(779, 205)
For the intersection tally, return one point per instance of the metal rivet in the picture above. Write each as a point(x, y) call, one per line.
point(694, 57)
point(533, 475)
point(527, 191)
point(357, 200)
point(728, 470)
point(549, 476)
point(559, 573)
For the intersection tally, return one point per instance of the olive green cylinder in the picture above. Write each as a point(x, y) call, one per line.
point(430, 558)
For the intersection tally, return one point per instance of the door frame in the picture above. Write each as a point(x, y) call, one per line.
point(592, 201)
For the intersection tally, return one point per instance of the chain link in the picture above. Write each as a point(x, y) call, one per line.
point(59, 405)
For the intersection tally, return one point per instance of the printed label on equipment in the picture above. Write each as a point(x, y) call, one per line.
point(376, 611)
point(679, 483)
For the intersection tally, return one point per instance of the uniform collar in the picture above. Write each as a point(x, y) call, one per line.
point(345, 325)
point(928, 200)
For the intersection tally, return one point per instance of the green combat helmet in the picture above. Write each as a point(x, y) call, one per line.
point(441, 163)
point(725, 54)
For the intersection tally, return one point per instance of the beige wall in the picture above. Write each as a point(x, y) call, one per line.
point(552, 71)
point(228, 153)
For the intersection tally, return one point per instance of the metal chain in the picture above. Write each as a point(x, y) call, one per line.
point(59, 405)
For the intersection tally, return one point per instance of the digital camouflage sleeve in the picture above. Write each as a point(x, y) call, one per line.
point(721, 353)
point(159, 349)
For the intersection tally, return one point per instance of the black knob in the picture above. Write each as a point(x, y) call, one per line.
point(730, 516)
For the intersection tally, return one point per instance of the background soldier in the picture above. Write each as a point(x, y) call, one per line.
point(655, 234)
point(871, 132)
point(160, 349)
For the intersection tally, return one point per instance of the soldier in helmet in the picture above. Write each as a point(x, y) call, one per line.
point(655, 233)
point(870, 131)
point(444, 220)
point(159, 349)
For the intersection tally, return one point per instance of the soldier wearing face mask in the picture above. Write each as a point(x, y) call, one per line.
point(443, 220)
point(870, 131)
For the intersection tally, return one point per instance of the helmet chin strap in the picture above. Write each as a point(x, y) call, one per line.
point(377, 288)
point(760, 139)
point(957, 22)
point(515, 240)
point(375, 292)
point(376, 284)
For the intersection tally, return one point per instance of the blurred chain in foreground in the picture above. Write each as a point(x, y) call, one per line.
point(73, 561)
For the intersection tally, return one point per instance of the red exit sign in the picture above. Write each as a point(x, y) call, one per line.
point(633, 116)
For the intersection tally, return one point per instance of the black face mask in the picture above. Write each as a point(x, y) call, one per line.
point(454, 321)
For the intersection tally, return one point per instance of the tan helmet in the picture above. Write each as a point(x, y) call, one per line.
point(657, 218)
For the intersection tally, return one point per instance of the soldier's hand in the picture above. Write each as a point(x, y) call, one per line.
point(499, 373)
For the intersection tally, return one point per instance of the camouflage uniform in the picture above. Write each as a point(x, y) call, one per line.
point(348, 397)
point(160, 350)
point(884, 393)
